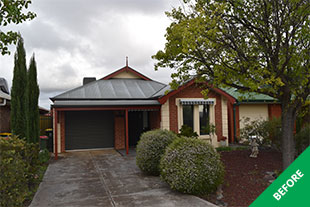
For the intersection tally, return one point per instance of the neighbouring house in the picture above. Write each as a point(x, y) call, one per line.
point(5, 100)
point(113, 111)
point(5, 107)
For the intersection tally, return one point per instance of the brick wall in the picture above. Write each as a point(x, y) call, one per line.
point(62, 130)
point(237, 122)
point(274, 110)
point(154, 119)
point(194, 91)
point(5, 119)
point(230, 123)
point(119, 132)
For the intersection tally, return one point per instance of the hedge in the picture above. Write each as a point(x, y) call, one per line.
point(151, 147)
point(19, 163)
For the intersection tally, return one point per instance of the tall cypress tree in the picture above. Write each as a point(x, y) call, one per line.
point(18, 96)
point(32, 109)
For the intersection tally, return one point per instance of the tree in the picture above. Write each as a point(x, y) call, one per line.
point(254, 45)
point(11, 11)
point(18, 95)
point(32, 109)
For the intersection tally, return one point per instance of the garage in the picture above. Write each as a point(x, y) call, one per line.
point(89, 129)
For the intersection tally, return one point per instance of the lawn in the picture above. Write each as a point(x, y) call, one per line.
point(245, 177)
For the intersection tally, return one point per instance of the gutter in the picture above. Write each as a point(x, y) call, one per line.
point(4, 102)
point(259, 102)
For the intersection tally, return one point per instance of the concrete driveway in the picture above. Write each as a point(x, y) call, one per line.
point(105, 178)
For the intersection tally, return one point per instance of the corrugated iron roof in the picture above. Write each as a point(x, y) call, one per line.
point(162, 91)
point(248, 96)
point(114, 89)
point(67, 103)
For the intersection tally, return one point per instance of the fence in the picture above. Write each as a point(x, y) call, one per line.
point(45, 123)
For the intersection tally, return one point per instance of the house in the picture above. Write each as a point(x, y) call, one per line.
point(113, 111)
point(5, 100)
point(5, 108)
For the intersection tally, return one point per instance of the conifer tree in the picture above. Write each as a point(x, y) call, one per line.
point(32, 109)
point(18, 96)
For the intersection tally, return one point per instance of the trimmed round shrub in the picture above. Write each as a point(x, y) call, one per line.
point(191, 166)
point(151, 147)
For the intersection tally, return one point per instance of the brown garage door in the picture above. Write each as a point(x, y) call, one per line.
point(89, 129)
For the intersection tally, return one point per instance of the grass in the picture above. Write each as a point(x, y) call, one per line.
point(228, 149)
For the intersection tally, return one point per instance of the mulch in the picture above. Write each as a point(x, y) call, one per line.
point(244, 179)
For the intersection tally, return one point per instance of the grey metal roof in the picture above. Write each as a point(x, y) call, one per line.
point(162, 91)
point(4, 86)
point(105, 103)
point(114, 89)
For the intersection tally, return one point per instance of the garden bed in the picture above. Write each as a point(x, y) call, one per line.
point(34, 187)
point(245, 177)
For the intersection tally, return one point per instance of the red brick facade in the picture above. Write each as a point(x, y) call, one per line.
point(119, 132)
point(154, 119)
point(62, 130)
point(5, 119)
point(237, 122)
point(230, 113)
point(193, 91)
point(274, 110)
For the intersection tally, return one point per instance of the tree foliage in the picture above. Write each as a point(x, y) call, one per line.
point(18, 95)
point(32, 109)
point(12, 12)
point(24, 97)
point(255, 45)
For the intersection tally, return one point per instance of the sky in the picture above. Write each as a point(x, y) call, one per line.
point(72, 39)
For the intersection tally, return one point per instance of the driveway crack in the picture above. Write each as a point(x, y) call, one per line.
point(99, 172)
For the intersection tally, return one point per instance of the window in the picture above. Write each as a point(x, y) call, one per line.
point(197, 114)
point(204, 119)
point(188, 118)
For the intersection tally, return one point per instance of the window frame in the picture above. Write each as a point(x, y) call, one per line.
point(196, 116)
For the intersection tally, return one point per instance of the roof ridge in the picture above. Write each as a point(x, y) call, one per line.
point(125, 68)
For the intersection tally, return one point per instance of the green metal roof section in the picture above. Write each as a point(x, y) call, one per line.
point(248, 96)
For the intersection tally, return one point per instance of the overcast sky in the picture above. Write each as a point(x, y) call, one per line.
point(73, 39)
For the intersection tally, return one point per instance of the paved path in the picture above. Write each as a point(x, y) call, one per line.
point(105, 178)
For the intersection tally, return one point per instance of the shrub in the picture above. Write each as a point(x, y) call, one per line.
point(13, 179)
point(187, 131)
point(191, 166)
point(302, 139)
point(18, 167)
point(273, 128)
point(44, 156)
point(268, 132)
point(151, 147)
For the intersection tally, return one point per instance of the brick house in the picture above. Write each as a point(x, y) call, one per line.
point(113, 111)
point(5, 107)
point(5, 100)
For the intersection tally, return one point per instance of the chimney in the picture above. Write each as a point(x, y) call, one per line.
point(87, 80)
